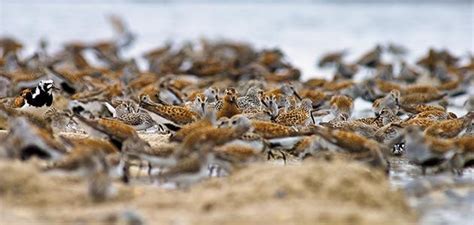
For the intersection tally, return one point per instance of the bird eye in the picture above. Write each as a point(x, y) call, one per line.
point(234, 122)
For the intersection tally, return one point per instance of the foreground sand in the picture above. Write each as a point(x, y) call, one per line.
point(336, 192)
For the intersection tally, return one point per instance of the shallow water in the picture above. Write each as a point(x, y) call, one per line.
point(449, 204)
point(303, 30)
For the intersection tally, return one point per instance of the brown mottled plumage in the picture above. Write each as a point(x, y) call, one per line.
point(116, 130)
point(19, 101)
point(450, 128)
point(362, 148)
point(176, 114)
point(434, 114)
point(272, 130)
point(418, 108)
point(337, 85)
point(216, 136)
point(367, 130)
point(423, 123)
point(300, 116)
point(420, 89)
point(208, 120)
point(229, 106)
point(347, 140)
point(417, 98)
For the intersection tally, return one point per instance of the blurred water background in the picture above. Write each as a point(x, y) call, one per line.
point(302, 29)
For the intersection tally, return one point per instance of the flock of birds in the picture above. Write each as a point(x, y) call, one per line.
point(222, 105)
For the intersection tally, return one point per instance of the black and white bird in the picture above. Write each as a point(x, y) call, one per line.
point(36, 101)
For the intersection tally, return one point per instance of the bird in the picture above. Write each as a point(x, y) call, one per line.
point(364, 149)
point(464, 156)
point(341, 107)
point(213, 136)
point(81, 150)
point(168, 94)
point(60, 120)
point(425, 151)
point(419, 108)
point(188, 170)
point(372, 58)
point(389, 101)
point(122, 135)
point(345, 71)
point(359, 127)
point(268, 129)
point(251, 101)
point(300, 116)
point(198, 104)
point(435, 115)
point(209, 120)
point(26, 140)
point(270, 106)
point(407, 73)
point(230, 106)
point(331, 58)
point(36, 101)
point(452, 127)
point(100, 186)
point(173, 117)
point(129, 113)
point(421, 98)
point(141, 121)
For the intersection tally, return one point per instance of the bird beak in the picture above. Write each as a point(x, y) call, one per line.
point(297, 95)
point(55, 88)
point(263, 103)
point(377, 116)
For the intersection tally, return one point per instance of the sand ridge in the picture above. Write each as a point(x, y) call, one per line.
point(336, 192)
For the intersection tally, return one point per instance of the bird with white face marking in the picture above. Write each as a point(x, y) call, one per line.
point(38, 101)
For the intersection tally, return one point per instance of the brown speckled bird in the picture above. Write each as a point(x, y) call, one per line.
point(229, 106)
point(450, 128)
point(272, 130)
point(172, 117)
point(301, 116)
point(341, 106)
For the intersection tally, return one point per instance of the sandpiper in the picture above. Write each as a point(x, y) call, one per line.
point(331, 58)
point(269, 130)
point(341, 106)
point(229, 105)
point(216, 136)
point(362, 148)
point(208, 120)
point(173, 117)
point(390, 101)
point(426, 151)
point(452, 127)
point(464, 156)
point(251, 101)
point(300, 116)
point(372, 58)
